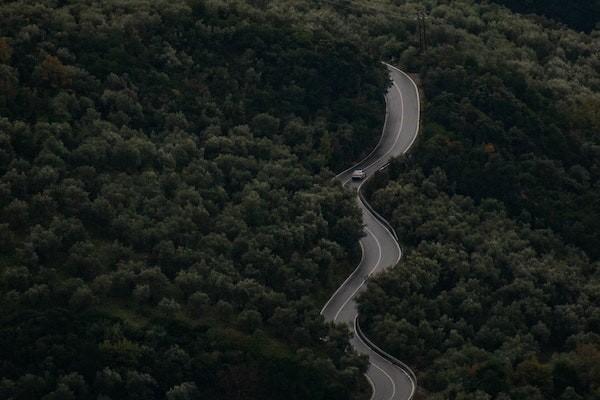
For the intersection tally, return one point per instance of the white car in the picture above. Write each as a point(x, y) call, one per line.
point(358, 174)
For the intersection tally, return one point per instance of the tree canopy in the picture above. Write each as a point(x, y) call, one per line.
point(481, 305)
point(169, 226)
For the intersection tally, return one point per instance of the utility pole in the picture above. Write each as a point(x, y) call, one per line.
point(422, 27)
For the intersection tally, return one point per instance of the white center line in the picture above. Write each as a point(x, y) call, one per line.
point(389, 377)
point(380, 256)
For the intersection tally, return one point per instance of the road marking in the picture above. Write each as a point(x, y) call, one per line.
point(381, 138)
point(418, 104)
point(397, 135)
point(389, 377)
point(393, 239)
point(392, 236)
point(378, 248)
point(398, 364)
point(372, 386)
point(380, 223)
point(362, 257)
point(401, 125)
point(384, 227)
point(337, 314)
point(378, 143)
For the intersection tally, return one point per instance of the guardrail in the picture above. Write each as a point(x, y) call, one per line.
point(405, 368)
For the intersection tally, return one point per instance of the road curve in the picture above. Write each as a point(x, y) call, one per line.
point(380, 250)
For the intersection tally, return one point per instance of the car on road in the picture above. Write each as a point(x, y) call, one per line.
point(358, 174)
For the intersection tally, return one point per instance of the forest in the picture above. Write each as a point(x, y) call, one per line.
point(169, 227)
point(482, 306)
point(582, 15)
point(497, 209)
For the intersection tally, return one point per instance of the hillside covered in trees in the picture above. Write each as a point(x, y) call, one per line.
point(169, 227)
point(482, 306)
point(497, 208)
point(583, 15)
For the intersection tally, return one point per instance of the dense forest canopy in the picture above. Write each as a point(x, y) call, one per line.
point(513, 102)
point(581, 15)
point(512, 106)
point(169, 226)
point(497, 208)
point(483, 306)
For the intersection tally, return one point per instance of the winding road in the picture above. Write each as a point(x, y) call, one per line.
point(390, 379)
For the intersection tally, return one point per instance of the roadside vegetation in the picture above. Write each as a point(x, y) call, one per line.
point(498, 209)
point(581, 15)
point(168, 224)
point(482, 306)
point(169, 227)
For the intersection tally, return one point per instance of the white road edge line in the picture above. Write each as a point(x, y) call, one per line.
point(384, 227)
point(372, 386)
point(380, 251)
point(417, 128)
point(413, 389)
point(337, 314)
point(412, 382)
point(398, 134)
point(389, 377)
point(418, 105)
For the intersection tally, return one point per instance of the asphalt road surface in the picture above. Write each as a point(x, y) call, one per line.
point(379, 247)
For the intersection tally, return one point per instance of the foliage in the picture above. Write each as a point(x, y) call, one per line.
point(497, 206)
point(168, 218)
point(169, 227)
point(579, 14)
point(480, 303)
point(511, 102)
